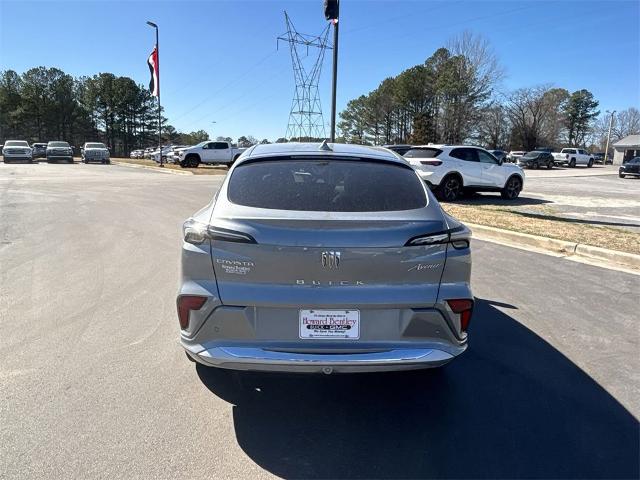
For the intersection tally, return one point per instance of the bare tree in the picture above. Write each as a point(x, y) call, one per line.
point(625, 123)
point(493, 127)
point(528, 110)
point(478, 73)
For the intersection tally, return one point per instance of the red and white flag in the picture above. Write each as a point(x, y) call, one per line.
point(154, 70)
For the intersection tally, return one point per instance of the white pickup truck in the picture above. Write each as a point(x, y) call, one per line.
point(573, 157)
point(209, 152)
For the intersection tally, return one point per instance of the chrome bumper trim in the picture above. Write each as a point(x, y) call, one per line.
point(251, 358)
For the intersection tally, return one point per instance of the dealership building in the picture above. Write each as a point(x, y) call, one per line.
point(626, 148)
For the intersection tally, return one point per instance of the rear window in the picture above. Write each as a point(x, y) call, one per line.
point(423, 153)
point(326, 186)
point(58, 144)
point(95, 145)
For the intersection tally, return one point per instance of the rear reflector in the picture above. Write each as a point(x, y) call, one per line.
point(432, 163)
point(464, 308)
point(186, 303)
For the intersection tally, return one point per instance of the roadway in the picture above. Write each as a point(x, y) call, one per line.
point(94, 383)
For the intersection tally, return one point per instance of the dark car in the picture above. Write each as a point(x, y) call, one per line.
point(631, 168)
point(57, 151)
point(500, 155)
point(39, 150)
point(399, 149)
point(536, 159)
point(599, 158)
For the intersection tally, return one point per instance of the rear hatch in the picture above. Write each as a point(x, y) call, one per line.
point(327, 254)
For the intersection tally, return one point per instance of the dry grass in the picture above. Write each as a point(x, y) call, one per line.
point(201, 170)
point(539, 220)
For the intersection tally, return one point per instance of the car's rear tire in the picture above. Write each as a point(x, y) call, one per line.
point(535, 166)
point(572, 163)
point(549, 165)
point(621, 175)
point(590, 164)
point(512, 188)
point(450, 188)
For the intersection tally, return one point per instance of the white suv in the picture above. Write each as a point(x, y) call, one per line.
point(451, 170)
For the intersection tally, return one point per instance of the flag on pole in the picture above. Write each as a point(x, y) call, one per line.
point(154, 83)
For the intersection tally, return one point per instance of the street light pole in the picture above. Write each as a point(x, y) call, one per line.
point(151, 24)
point(334, 81)
point(606, 150)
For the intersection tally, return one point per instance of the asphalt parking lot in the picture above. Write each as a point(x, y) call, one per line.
point(94, 383)
point(596, 195)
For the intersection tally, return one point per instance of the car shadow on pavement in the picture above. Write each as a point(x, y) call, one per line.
point(495, 199)
point(512, 406)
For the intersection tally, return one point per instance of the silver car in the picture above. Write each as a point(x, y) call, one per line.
point(324, 258)
point(95, 152)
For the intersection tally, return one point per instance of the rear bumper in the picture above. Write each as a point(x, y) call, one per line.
point(253, 358)
point(68, 158)
point(266, 339)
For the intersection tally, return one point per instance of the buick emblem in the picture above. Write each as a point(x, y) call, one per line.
point(330, 259)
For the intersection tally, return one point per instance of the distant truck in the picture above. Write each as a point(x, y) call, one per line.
point(210, 153)
point(573, 157)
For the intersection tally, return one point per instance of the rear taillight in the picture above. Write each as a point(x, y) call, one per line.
point(464, 308)
point(187, 303)
point(196, 233)
point(431, 163)
point(458, 237)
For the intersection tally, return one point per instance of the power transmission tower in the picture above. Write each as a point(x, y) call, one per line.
point(305, 118)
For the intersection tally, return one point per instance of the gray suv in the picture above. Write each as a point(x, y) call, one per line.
point(323, 258)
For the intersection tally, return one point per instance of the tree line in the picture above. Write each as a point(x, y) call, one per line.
point(455, 97)
point(45, 104)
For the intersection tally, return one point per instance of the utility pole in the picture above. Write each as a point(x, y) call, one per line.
point(153, 25)
point(606, 150)
point(331, 13)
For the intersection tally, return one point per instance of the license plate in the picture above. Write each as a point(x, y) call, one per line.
point(331, 324)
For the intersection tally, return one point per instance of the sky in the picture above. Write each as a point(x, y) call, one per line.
point(220, 62)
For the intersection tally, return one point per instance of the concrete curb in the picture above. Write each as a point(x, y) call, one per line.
point(156, 169)
point(483, 232)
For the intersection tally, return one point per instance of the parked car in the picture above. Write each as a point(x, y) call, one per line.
point(17, 151)
point(39, 150)
point(599, 157)
point(451, 170)
point(95, 152)
point(173, 156)
point(632, 168)
point(57, 151)
point(331, 258)
point(573, 157)
point(514, 155)
point(209, 152)
point(399, 149)
point(136, 154)
point(536, 159)
point(500, 155)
